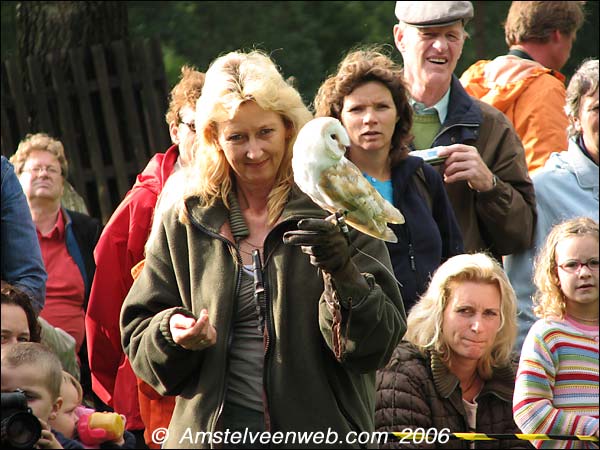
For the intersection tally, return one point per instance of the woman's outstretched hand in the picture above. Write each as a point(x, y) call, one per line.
point(193, 334)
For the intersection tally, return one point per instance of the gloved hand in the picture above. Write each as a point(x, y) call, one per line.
point(324, 242)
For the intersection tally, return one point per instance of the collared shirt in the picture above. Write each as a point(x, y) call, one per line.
point(441, 107)
point(65, 290)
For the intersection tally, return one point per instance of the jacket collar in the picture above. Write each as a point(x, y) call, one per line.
point(238, 226)
point(585, 169)
point(168, 163)
point(463, 120)
point(298, 206)
point(501, 384)
point(462, 109)
point(157, 171)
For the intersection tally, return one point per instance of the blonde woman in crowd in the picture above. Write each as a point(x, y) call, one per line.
point(454, 371)
point(229, 313)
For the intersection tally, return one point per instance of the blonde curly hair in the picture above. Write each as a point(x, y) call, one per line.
point(549, 300)
point(232, 80)
point(426, 318)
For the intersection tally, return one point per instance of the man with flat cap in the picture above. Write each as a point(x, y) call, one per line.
point(484, 168)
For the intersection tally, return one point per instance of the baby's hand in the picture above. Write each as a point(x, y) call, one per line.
point(48, 440)
point(120, 441)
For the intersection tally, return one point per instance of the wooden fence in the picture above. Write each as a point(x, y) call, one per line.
point(106, 104)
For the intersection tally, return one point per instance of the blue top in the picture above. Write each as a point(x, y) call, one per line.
point(430, 234)
point(22, 263)
point(383, 187)
point(566, 187)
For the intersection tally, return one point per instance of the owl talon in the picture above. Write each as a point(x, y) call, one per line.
point(340, 221)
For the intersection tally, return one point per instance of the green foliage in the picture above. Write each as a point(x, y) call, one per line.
point(8, 11)
point(309, 38)
point(306, 38)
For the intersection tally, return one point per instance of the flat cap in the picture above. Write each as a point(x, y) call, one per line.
point(433, 13)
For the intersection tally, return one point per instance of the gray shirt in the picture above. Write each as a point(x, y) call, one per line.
point(246, 354)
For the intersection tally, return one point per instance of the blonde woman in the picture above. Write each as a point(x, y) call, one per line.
point(228, 313)
point(556, 390)
point(454, 371)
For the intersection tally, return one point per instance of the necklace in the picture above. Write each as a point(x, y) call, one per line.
point(245, 252)
point(593, 321)
point(250, 243)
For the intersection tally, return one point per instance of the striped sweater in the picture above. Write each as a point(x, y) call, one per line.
point(556, 390)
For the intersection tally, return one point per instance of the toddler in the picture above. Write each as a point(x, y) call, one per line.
point(71, 411)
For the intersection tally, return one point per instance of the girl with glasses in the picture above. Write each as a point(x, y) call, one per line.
point(556, 390)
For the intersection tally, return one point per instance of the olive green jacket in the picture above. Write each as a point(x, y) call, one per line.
point(195, 266)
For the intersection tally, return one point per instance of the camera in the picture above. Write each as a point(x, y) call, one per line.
point(429, 155)
point(20, 428)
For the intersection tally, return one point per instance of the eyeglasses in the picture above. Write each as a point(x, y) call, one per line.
point(190, 125)
point(573, 266)
point(37, 170)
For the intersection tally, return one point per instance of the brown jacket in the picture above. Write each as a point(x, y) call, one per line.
point(501, 220)
point(417, 390)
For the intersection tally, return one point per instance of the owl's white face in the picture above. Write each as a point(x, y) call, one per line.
point(335, 137)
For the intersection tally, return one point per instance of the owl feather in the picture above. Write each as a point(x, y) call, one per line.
point(335, 184)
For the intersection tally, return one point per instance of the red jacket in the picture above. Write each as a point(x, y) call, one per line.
point(121, 246)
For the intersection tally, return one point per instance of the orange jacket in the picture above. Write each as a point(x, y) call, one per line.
point(156, 410)
point(530, 95)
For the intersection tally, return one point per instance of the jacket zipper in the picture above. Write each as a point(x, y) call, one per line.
point(268, 337)
point(470, 125)
point(411, 249)
point(213, 423)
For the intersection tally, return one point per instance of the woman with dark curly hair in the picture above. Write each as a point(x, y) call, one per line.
point(19, 319)
point(368, 95)
point(20, 323)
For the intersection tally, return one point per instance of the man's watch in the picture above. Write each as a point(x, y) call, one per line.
point(494, 183)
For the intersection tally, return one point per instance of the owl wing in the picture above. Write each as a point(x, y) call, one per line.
point(343, 186)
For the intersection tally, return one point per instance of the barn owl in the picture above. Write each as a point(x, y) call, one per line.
point(335, 184)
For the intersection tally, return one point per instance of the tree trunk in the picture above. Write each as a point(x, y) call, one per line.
point(45, 27)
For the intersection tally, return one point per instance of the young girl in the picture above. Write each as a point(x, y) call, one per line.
point(556, 390)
